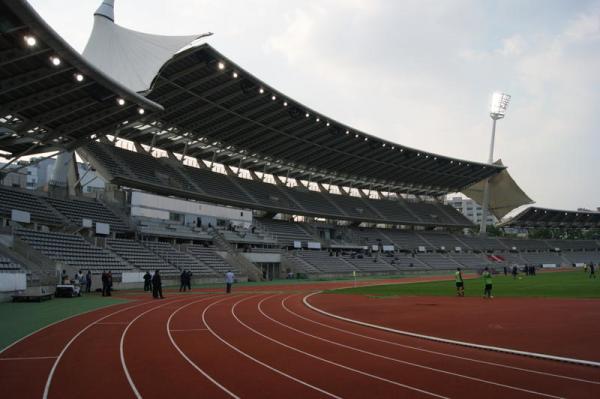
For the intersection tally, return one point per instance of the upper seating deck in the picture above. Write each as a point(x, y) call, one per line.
point(76, 209)
point(150, 173)
point(12, 198)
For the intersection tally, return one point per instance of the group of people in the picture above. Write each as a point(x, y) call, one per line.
point(487, 280)
point(592, 269)
point(185, 281)
point(154, 283)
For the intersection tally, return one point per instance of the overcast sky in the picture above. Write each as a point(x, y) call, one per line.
point(419, 73)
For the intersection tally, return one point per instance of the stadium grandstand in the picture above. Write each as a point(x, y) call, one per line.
point(209, 169)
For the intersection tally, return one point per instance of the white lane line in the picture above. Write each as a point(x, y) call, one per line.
point(468, 359)
point(55, 323)
point(68, 344)
point(189, 329)
point(330, 361)
point(122, 344)
point(454, 342)
point(194, 365)
point(5, 359)
point(258, 361)
point(396, 360)
point(122, 323)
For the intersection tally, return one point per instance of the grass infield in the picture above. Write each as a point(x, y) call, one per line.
point(572, 284)
point(22, 318)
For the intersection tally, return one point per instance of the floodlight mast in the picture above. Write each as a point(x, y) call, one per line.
point(498, 109)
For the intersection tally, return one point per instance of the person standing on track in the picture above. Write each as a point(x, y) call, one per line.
point(88, 281)
point(487, 280)
point(157, 286)
point(188, 280)
point(147, 281)
point(229, 278)
point(183, 281)
point(460, 284)
point(592, 270)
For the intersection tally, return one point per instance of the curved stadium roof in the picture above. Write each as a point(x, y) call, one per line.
point(216, 110)
point(534, 216)
point(213, 110)
point(43, 106)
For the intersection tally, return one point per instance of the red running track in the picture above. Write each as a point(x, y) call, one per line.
point(255, 344)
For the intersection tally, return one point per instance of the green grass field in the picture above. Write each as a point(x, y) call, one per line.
point(22, 318)
point(575, 284)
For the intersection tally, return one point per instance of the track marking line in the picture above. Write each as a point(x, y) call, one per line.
point(454, 342)
point(122, 344)
point(330, 361)
point(5, 359)
point(396, 360)
point(200, 370)
point(188, 329)
point(55, 323)
point(258, 361)
point(441, 353)
point(112, 323)
point(68, 344)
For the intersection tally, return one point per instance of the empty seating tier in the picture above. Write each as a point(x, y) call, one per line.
point(139, 256)
point(76, 209)
point(11, 198)
point(7, 264)
point(72, 250)
point(210, 258)
point(182, 260)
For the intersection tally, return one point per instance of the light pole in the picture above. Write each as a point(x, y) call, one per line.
point(497, 111)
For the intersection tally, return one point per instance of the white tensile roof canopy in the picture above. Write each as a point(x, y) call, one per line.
point(132, 58)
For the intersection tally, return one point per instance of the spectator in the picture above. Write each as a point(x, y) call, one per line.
point(147, 281)
point(229, 278)
point(188, 280)
point(183, 281)
point(109, 281)
point(105, 283)
point(157, 285)
point(88, 281)
point(64, 277)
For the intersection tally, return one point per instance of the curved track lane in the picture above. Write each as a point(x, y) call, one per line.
point(263, 345)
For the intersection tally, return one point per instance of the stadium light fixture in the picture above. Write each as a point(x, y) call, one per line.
point(141, 111)
point(273, 97)
point(221, 65)
point(235, 75)
point(55, 60)
point(328, 124)
point(318, 120)
point(120, 101)
point(307, 115)
point(285, 104)
point(79, 77)
point(498, 109)
point(499, 105)
point(30, 40)
point(261, 90)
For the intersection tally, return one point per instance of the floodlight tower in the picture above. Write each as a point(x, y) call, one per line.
point(498, 108)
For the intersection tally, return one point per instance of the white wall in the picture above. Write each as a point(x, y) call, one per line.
point(158, 207)
point(12, 282)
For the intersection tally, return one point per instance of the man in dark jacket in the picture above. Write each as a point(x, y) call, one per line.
point(147, 281)
point(183, 281)
point(157, 285)
point(88, 281)
point(104, 283)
